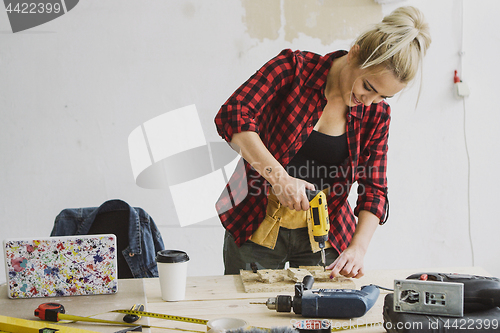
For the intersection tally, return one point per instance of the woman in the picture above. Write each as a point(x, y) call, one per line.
point(305, 121)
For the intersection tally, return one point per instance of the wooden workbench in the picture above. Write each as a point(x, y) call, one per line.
point(224, 296)
point(206, 298)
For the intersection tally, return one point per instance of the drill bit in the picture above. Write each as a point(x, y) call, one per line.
point(323, 259)
point(270, 303)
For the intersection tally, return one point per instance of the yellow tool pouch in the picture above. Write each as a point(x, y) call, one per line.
point(278, 216)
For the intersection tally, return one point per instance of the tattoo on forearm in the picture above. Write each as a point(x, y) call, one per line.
point(269, 169)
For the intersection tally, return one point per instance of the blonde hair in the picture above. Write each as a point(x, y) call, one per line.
point(399, 43)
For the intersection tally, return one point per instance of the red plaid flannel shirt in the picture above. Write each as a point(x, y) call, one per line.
point(282, 102)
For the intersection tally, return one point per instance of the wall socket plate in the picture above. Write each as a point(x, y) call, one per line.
point(462, 89)
point(429, 297)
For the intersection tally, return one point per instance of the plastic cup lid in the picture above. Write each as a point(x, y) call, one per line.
point(171, 256)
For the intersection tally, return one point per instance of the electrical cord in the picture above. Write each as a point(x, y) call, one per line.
point(468, 184)
point(461, 53)
point(382, 288)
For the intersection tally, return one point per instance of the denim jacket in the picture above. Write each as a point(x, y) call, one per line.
point(144, 238)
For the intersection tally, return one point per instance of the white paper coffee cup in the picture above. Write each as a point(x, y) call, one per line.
point(172, 271)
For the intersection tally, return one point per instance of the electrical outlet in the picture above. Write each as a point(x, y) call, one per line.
point(462, 89)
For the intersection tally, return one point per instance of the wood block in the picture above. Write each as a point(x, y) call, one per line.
point(252, 283)
point(320, 275)
point(297, 274)
point(270, 275)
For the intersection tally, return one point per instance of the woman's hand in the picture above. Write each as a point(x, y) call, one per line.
point(350, 263)
point(291, 192)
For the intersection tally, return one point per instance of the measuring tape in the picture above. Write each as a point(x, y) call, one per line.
point(55, 312)
point(163, 316)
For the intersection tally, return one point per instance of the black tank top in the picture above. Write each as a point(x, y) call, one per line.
point(319, 159)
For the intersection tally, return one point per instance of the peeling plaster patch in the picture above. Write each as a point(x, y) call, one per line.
point(329, 20)
point(189, 10)
point(263, 18)
point(312, 20)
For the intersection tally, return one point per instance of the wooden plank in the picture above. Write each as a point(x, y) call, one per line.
point(253, 283)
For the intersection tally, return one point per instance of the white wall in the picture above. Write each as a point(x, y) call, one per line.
point(72, 90)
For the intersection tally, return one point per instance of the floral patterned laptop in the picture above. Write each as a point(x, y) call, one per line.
point(61, 266)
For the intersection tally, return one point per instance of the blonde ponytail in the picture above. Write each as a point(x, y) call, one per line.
point(399, 43)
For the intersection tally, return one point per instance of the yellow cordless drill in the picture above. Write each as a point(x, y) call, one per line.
point(318, 207)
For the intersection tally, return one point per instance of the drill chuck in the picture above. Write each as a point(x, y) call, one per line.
point(271, 303)
point(280, 303)
point(321, 240)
